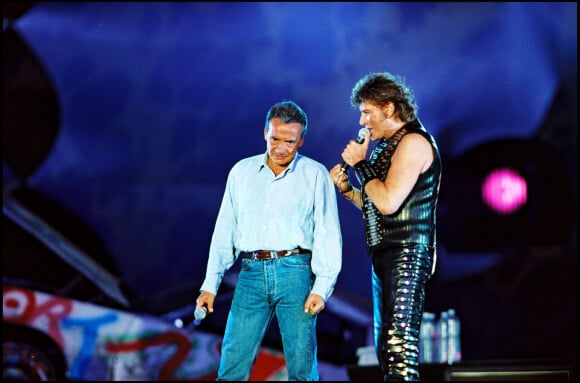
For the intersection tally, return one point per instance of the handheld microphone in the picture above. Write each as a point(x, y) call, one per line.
point(359, 140)
point(200, 313)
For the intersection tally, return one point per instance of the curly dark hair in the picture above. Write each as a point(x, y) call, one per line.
point(381, 88)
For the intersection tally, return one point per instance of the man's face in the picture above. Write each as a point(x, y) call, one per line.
point(283, 140)
point(374, 118)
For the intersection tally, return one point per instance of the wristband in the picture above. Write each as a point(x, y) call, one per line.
point(364, 172)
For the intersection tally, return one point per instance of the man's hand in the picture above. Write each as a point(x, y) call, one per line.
point(314, 304)
point(206, 300)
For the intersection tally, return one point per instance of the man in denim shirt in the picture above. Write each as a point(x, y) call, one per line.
point(279, 214)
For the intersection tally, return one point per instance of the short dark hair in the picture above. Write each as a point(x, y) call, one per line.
point(382, 88)
point(288, 111)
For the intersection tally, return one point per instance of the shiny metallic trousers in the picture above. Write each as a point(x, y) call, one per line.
point(399, 278)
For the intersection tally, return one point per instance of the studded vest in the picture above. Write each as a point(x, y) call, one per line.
point(415, 221)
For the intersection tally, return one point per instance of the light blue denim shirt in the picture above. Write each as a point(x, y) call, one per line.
point(259, 211)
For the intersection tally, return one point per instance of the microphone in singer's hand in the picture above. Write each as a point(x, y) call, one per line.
point(362, 133)
point(200, 313)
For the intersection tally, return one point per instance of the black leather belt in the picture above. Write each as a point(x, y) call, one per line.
point(271, 254)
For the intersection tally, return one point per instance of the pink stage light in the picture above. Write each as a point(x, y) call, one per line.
point(504, 190)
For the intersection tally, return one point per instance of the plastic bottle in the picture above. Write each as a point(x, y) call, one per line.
point(454, 337)
point(442, 354)
point(426, 336)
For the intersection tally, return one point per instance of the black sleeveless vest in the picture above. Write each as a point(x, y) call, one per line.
point(415, 221)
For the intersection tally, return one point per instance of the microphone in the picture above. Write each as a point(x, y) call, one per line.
point(200, 313)
point(359, 140)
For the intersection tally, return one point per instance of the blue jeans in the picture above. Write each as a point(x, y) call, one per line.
point(266, 288)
